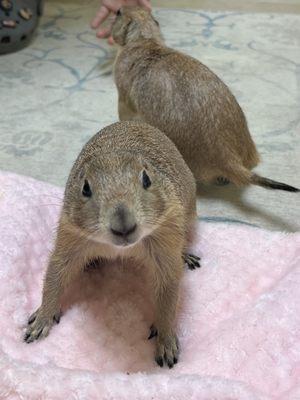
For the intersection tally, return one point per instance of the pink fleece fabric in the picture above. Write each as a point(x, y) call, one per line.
point(238, 319)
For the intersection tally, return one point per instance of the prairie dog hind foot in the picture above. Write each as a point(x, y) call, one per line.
point(191, 261)
point(222, 181)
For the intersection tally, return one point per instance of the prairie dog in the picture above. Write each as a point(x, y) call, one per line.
point(131, 195)
point(186, 100)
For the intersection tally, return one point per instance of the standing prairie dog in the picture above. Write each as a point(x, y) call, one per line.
point(185, 100)
point(129, 195)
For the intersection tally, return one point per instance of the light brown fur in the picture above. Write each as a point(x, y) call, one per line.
point(113, 162)
point(186, 100)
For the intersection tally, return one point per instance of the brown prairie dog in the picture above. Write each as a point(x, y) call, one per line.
point(131, 195)
point(184, 99)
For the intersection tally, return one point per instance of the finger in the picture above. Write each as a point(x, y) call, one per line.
point(110, 40)
point(145, 3)
point(101, 16)
point(103, 32)
point(113, 5)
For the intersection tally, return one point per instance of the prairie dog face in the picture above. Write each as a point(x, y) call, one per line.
point(133, 23)
point(115, 199)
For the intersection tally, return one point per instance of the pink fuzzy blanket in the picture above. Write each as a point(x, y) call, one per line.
point(238, 320)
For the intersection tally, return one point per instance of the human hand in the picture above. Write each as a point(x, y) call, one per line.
point(109, 8)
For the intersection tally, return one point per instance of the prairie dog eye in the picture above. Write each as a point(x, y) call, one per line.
point(146, 180)
point(118, 13)
point(86, 190)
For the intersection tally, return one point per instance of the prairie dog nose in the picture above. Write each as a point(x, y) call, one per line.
point(125, 232)
point(122, 222)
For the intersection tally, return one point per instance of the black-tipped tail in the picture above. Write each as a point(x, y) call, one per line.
point(270, 184)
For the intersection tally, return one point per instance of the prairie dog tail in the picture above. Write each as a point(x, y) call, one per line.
point(270, 184)
point(242, 176)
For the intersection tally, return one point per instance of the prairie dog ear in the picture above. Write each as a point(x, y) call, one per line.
point(133, 30)
point(121, 29)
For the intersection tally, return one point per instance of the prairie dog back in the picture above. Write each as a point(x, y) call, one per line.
point(184, 99)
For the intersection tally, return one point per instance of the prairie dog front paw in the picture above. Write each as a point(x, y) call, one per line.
point(167, 350)
point(39, 325)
